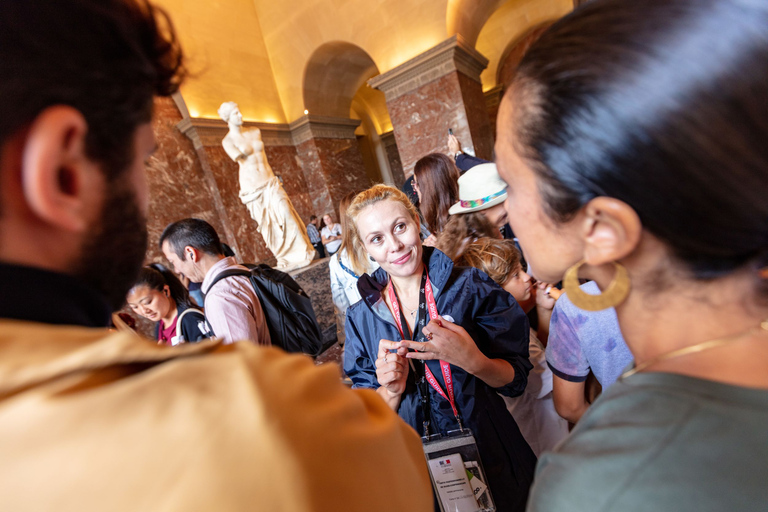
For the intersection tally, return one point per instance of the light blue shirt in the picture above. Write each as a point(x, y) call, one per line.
point(582, 340)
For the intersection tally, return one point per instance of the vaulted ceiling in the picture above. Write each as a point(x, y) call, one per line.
point(277, 59)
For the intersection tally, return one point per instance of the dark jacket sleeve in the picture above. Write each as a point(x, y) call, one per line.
point(358, 363)
point(505, 328)
point(190, 326)
point(466, 162)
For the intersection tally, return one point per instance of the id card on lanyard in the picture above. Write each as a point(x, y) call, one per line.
point(455, 468)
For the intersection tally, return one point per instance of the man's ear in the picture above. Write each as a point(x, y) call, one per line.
point(191, 254)
point(611, 230)
point(58, 178)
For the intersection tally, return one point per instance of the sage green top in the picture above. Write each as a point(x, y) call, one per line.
point(658, 442)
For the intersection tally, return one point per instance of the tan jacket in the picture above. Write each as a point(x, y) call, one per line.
point(97, 421)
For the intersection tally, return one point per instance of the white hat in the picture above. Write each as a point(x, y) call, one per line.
point(479, 188)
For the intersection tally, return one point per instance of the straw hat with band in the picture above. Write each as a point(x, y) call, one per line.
point(480, 188)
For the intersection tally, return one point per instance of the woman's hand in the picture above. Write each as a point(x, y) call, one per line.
point(451, 343)
point(454, 146)
point(391, 371)
point(448, 342)
point(430, 241)
point(546, 295)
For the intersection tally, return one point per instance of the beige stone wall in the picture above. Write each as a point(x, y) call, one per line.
point(226, 52)
point(508, 24)
point(390, 31)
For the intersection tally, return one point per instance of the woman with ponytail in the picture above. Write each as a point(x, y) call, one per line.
point(158, 295)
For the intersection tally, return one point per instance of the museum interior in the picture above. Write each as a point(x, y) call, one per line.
point(345, 94)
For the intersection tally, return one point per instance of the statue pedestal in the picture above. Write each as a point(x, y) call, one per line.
point(315, 280)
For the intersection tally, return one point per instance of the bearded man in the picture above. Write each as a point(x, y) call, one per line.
point(92, 420)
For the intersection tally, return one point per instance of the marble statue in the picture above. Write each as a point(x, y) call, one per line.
point(261, 191)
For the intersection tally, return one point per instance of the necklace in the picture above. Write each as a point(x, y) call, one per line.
point(699, 347)
point(411, 311)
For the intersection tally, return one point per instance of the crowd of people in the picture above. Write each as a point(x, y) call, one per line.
point(581, 324)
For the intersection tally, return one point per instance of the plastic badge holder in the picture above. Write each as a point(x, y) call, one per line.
point(440, 452)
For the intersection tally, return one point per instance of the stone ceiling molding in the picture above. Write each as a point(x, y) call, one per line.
point(323, 127)
point(210, 132)
point(453, 54)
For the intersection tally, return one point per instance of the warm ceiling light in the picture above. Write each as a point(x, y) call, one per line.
point(306, 112)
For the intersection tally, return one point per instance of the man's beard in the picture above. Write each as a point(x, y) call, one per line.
point(115, 248)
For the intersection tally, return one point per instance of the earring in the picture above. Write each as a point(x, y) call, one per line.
point(371, 258)
point(614, 295)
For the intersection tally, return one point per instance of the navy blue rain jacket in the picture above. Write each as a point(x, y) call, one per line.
point(500, 329)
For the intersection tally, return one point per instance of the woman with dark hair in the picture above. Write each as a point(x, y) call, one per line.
point(158, 295)
point(633, 141)
point(479, 211)
point(436, 183)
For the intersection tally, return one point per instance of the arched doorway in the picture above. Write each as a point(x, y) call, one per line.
point(335, 86)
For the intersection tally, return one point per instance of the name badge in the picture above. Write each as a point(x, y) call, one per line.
point(457, 473)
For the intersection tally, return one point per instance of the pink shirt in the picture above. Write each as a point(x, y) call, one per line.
point(232, 307)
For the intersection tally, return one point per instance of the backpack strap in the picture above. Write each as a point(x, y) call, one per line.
point(180, 326)
point(223, 275)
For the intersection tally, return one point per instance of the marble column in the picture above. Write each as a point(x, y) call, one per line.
point(180, 182)
point(393, 156)
point(435, 91)
point(330, 158)
point(492, 101)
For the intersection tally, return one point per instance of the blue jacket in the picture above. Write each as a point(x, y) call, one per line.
point(498, 326)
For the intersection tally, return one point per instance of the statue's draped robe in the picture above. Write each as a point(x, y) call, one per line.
point(279, 224)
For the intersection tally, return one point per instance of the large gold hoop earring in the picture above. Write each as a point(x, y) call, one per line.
point(614, 295)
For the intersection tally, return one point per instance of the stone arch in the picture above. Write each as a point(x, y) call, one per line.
point(334, 73)
point(467, 17)
point(335, 85)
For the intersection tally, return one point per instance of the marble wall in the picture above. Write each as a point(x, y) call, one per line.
point(332, 168)
point(421, 119)
point(477, 116)
point(393, 156)
point(180, 185)
point(343, 168)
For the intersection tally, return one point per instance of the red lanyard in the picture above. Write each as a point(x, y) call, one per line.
point(428, 296)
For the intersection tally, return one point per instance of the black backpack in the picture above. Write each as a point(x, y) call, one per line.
point(287, 309)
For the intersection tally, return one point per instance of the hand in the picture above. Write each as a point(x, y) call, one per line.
point(546, 295)
point(430, 241)
point(448, 342)
point(453, 145)
point(392, 367)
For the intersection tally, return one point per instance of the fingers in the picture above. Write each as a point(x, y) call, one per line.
point(435, 326)
point(415, 345)
point(386, 346)
point(423, 356)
